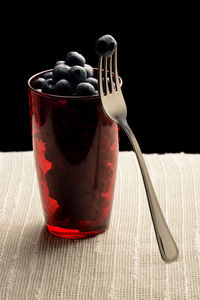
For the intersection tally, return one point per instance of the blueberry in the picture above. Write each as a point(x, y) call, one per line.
point(48, 75)
point(38, 82)
point(105, 45)
point(74, 58)
point(89, 70)
point(76, 74)
point(48, 86)
point(93, 81)
point(60, 72)
point(60, 62)
point(85, 89)
point(63, 88)
point(109, 84)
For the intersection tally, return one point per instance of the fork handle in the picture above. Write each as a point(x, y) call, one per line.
point(167, 246)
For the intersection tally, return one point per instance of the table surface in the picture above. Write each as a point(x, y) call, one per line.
point(122, 263)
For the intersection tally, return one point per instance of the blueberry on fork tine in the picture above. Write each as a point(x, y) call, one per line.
point(105, 45)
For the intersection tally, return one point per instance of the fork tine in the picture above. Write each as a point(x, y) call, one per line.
point(106, 75)
point(100, 76)
point(116, 71)
point(110, 74)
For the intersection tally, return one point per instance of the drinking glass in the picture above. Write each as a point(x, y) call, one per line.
point(75, 148)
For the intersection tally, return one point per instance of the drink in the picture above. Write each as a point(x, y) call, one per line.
point(76, 148)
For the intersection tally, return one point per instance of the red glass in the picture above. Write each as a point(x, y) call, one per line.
point(76, 150)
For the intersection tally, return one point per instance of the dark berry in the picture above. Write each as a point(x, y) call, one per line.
point(89, 70)
point(76, 74)
point(60, 62)
point(38, 82)
point(109, 84)
point(85, 89)
point(63, 88)
point(74, 58)
point(48, 75)
point(48, 86)
point(105, 45)
point(93, 81)
point(60, 72)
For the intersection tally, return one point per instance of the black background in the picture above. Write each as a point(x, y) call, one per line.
point(157, 61)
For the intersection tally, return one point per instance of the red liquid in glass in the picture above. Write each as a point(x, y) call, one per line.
point(76, 148)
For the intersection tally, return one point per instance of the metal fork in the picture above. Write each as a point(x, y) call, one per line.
point(115, 108)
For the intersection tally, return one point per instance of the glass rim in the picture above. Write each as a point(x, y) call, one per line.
point(60, 96)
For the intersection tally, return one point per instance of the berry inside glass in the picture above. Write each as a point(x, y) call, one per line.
point(76, 150)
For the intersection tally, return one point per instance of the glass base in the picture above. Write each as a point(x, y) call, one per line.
point(73, 233)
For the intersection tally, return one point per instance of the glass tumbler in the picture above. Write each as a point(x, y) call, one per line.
point(75, 148)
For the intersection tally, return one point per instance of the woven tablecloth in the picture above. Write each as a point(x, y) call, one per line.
point(122, 263)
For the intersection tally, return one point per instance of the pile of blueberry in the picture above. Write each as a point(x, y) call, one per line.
point(72, 77)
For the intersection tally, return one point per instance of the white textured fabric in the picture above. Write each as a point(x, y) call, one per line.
point(124, 262)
